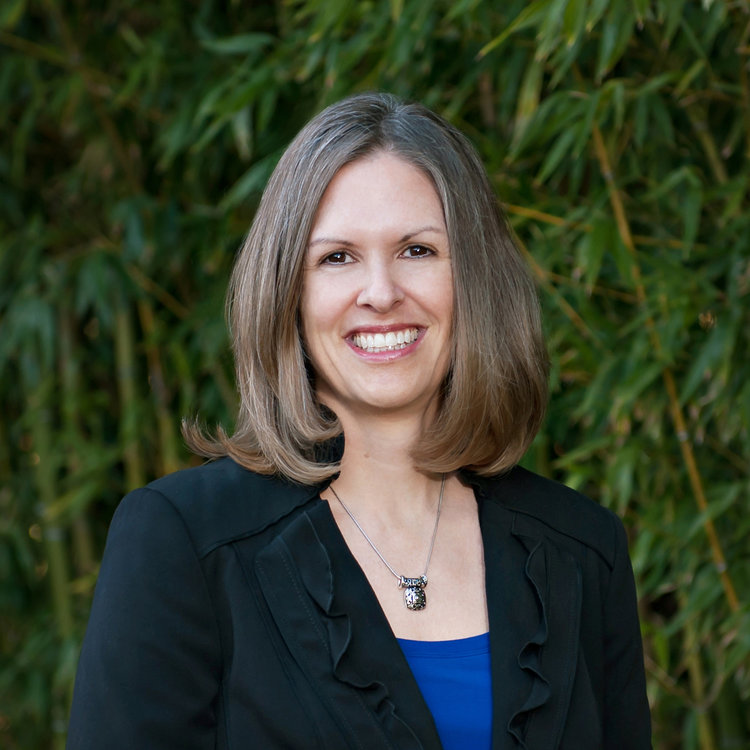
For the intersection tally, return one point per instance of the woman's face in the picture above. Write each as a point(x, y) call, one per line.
point(377, 299)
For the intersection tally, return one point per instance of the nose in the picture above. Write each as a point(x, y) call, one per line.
point(380, 289)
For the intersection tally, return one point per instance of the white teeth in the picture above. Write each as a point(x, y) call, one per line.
point(384, 342)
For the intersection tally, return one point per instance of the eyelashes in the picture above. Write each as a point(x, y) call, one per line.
point(339, 258)
point(417, 251)
point(342, 257)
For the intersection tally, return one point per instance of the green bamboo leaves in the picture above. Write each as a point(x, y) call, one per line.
point(134, 145)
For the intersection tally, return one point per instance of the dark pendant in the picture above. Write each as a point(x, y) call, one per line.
point(414, 595)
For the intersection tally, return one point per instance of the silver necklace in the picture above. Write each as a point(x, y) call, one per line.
point(414, 594)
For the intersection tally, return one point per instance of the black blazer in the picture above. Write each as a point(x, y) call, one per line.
point(229, 613)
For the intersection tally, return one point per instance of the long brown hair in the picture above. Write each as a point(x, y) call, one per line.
point(495, 394)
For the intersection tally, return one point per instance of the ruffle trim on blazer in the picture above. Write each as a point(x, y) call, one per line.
point(549, 656)
point(297, 579)
point(529, 658)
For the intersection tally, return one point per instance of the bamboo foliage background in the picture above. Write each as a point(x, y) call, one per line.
point(135, 139)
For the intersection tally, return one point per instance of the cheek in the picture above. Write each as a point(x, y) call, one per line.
point(317, 323)
point(442, 296)
point(306, 324)
point(322, 305)
point(310, 306)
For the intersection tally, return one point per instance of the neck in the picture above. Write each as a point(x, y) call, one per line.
point(377, 471)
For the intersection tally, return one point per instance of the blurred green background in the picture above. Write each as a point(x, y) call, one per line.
point(135, 139)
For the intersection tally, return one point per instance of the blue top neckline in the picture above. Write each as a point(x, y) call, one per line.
point(450, 649)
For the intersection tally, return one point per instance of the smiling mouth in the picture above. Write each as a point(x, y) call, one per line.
point(385, 342)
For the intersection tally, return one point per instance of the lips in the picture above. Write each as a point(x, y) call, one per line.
point(385, 342)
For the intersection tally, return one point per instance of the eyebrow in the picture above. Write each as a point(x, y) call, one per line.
point(348, 243)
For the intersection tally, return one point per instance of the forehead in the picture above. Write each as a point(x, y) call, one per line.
point(382, 188)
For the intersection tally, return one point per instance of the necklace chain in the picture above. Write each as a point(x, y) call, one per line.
point(414, 596)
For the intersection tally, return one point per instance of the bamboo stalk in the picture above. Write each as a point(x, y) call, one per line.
point(700, 126)
point(48, 55)
point(129, 427)
point(745, 88)
point(167, 433)
point(696, 678)
point(742, 49)
point(157, 291)
point(559, 221)
point(40, 416)
point(544, 217)
point(738, 461)
point(151, 287)
point(729, 717)
point(666, 680)
point(601, 291)
point(53, 537)
point(226, 388)
point(84, 557)
point(486, 99)
point(678, 419)
point(5, 465)
point(542, 275)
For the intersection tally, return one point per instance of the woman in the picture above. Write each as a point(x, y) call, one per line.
point(364, 566)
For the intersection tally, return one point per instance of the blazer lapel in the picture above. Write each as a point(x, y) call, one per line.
point(534, 602)
point(334, 627)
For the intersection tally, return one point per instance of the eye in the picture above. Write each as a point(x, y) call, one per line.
point(417, 251)
point(338, 258)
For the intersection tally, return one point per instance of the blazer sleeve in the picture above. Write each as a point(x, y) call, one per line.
point(627, 718)
point(149, 669)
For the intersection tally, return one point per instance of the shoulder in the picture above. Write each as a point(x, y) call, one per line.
point(220, 501)
point(557, 509)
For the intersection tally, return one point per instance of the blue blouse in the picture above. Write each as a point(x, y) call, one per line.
point(454, 677)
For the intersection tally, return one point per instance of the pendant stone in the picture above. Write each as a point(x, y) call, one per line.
point(414, 595)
